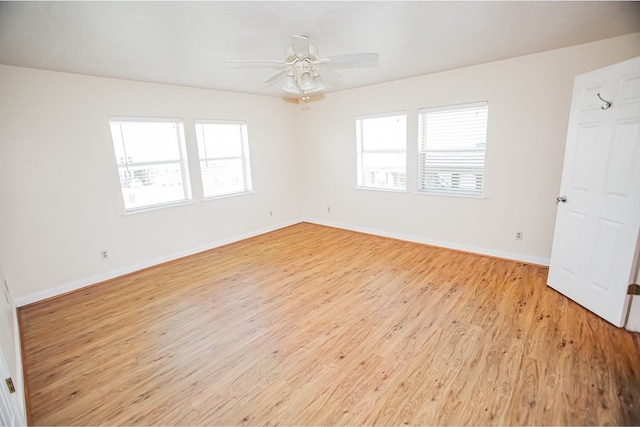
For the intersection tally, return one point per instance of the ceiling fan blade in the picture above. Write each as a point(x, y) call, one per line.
point(276, 76)
point(300, 46)
point(352, 59)
point(271, 62)
point(331, 76)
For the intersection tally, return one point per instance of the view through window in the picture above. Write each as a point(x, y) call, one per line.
point(224, 157)
point(382, 154)
point(151, 159)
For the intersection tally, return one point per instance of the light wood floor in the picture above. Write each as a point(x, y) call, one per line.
point(311, 325)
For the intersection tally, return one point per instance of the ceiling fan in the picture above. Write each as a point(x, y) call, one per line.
point(302, 65)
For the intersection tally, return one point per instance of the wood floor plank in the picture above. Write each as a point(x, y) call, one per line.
point(312, 325)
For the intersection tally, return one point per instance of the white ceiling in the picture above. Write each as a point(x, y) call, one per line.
point(186, 43)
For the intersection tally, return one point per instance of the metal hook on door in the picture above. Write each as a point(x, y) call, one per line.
point(606, 105)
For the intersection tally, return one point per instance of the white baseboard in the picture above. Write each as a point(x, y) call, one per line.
point(30, 299)
point(444, 244)
point(74, 286)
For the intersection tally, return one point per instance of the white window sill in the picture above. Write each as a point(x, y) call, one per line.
point(136, 211)
point(226, 196)
point(435, 193)
point(387, 190)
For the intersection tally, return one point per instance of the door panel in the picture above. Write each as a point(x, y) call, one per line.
point(584, 152)
point(602, 262)
point(619, 172)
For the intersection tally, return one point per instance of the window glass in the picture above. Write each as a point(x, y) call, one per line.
point(224, 157)
point(382, 157)
point(151, 159)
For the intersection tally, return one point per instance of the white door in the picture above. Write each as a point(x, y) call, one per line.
point(11, 403)
point(10, 414)
point(598, 220)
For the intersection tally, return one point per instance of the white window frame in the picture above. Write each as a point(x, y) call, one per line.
point(362, 151)
point(244, 157)
point(130, 165)
point(453, 170)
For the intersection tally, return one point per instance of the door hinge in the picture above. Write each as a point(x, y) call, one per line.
point(633, 289)
point(12, 388)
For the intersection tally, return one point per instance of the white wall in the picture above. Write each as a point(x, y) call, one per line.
point(61, 202)
point(529, 99)
point(59, 186)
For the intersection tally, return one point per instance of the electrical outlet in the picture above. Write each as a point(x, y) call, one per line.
point(329, 209)
point(271, 213)
point(519, 235)
point(104, 254)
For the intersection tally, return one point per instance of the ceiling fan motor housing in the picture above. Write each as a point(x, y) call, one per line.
point(291, 56)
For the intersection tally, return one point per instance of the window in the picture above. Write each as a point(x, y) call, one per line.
point(224, 157)
point(382, 151)
point(151, 159)
point(452, 142)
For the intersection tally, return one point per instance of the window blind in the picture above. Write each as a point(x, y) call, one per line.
point(152, 162)
point(452, 144)
point(224, 157)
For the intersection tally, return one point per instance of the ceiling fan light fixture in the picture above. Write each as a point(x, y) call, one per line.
point(290, 86)
point(310, 84)
point(306, 81)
